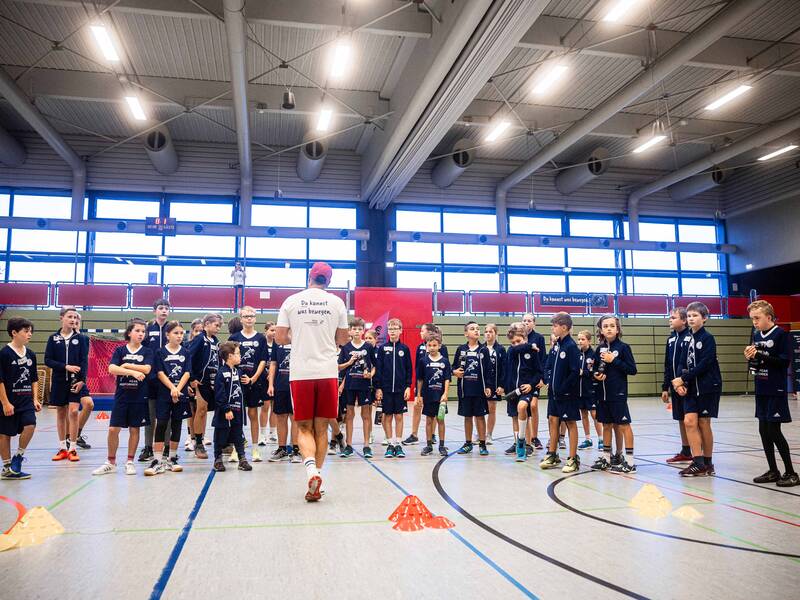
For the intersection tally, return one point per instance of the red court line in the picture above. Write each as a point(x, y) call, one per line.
point(21, 510)
point(752, 512)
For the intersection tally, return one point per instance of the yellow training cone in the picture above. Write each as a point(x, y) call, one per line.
point(687, 513)
point(7, 542)
point(35, 527)
point(650, 502)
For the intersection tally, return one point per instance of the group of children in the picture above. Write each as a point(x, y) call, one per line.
point(163, 378)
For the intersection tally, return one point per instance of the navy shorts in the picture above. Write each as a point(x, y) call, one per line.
point(566, 409)
point(430, 408)
point(773, 408)
point(14, 424)
point(207, 392)
point(357, 397)
point(613, 413)
point(167, 410)
point(511, 405)
point(587, 402)
point(677, 406)
point(253, 396)
point(473, 406)
point(129, 414)
point(705, 405)
point(282, 403)
point(61, 396)
point(393, 403)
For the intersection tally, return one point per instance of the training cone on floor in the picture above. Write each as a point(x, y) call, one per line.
point(413, 515)
point(33, 528)
point(102, 415)
point(650, 502)
point(687, 513)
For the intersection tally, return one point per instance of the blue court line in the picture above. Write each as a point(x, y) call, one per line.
point(166, 573)
point(463, 540)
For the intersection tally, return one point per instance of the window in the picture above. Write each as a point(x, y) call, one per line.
point(590, 258)
point(331, 250)
point(591, 228)
point(197, 275)
point(274, 277)
point(651, 260)
point(518, 282)
point(419, 279)
point(3, 240)
point(258, 247)
point(699, 261)
point(5, 202)
point(419, 252)
point(472, 281)
point(417, 220)
point(482, 224)
point(653, 285)
point(46, 271)
point(535, 256)
point(48, 207)
point(703, 234)
point(534, 225)
point(120, 244)
point(200, 245)
point(126, 209)
point(279, 215)
point(470, 254)
point(601, 284)
point(705, 286)
point(124, 273)
point(342, 277)
point(653, 232)
point(205, 212)
point(332, 217)
point(47, 240)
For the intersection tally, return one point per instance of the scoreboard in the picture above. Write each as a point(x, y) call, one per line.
point(160, 226)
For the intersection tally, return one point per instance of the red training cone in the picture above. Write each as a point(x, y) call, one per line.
point(102, 415)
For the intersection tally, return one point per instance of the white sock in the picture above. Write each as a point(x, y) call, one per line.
point(311, 467)
point(523, 423)
point(607, 453)
point(62, 444)
point(20, 451)
point(262, 431)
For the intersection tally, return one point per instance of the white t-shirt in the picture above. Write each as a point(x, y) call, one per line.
point(313, 315)
point(238, 276)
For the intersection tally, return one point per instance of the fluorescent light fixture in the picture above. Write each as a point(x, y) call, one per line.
point(103, 40)
point(389, 265)
point(497, 130)
point(129, 261)
point(340, 59)
point(324, 119)
point(735, 93)
point(749, 266)
point(203, 261)
point(546, 82)
point(619, 9)
point(162, 258)
point(136, 108)
point(783, 150)
point(649, 143)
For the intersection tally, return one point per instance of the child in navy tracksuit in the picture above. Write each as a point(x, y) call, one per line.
point(563, 404)
point(355, 360)
point(155, 338)
point(497, 373)
point(425, 332)
point(674, 356)
point(204, 349)
point(393, 381)
point(19, 396)
point(700, 383)
point(768, 357)
point(229, 416)
point(536, 340)
point(523, 376)
point(433, 384)
point(586, 391)
point(471, 365)
point(613, 364)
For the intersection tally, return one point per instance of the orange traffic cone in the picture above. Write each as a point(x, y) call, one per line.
point(102, 415)
point(413, 515)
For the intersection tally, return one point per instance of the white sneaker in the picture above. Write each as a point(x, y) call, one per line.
point(256, 455)
point(207, 441)
point(371, 439)
point(130, 468)
point(188, 445)
point(156, 469)
point(489, 440)
point(174, 467)
point(105, 469)
point(273, 438)
point(385, 442)
point(234, 456)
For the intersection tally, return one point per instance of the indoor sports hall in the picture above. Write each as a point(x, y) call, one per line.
point(400, 299)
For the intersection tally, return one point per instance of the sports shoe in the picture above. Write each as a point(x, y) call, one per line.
point(585, 444)
point(768, 477)
point(105, 469)
point(82, 443)
point(332, 447)
point(573, 464)
point(528, 450)
point(399, 452)
point(130, 468)
point(367, 451)
point(61, 455)
point(443, 451)
point(600, 446)
point(537, 443)
point(73, 456)
point(551, 461)
point(410, 440)
point(693, 470)
point(385, 442)
point(172, 465)
point(273, 438)
point(520, 450)
point(710, 471)
point(278, 455)
point(489, 440)
point(787, 480)
point(511, 450)
point(623, 467)
point(200, 452)
point(207, 441)
point(188, 445)
point(156, 468)
point(234, 456)
point(433, 438)
point(146, 454)
point(616, 459)
point(9, 474)
point(562, 444)
point(262, 441)
point(371, 438)
point(228, 450)
point(601, 464)
point(244, 465)
point(340, 442)
point(314, 484)
point(219, 466)
point(466, 448)
point(427, 450)
point(389, 452)
point(679, 458)
point(256, 455)
point(295, 457)
point(347, 452)
point(16, 471)
point(483, 450)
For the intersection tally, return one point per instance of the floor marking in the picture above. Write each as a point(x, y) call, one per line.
point(71, 494)
point(21, 510)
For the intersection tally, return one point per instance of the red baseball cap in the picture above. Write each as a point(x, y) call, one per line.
point(321, 269)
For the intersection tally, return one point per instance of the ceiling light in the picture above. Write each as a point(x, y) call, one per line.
point(340, 59)
point(729, 96)
point(783, 150)
point(749, 266)
point(497, 130)
point(203, 261)
point(324, 119)
point(649, 143)
point(162, 259)
point(549, 79)
point(103, 40)
point(619, 9)
point(389, 265)
point(136, 108)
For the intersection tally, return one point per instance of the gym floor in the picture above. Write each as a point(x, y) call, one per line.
point(519, 531)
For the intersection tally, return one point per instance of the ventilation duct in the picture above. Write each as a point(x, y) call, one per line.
point(12, 153)
point(687, 188)
point(572, 179)
point(311, 159)
point(161, 151)
point(449, 168)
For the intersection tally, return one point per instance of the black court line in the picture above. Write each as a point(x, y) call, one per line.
point(551, 492)
point(553, 561)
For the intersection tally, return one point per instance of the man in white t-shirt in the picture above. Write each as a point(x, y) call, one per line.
point(238, 275)
point(314, 322)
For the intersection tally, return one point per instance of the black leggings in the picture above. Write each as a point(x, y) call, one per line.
point(772, 437)
point(175, 430)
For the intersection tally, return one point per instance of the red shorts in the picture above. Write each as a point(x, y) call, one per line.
point(315, 398)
